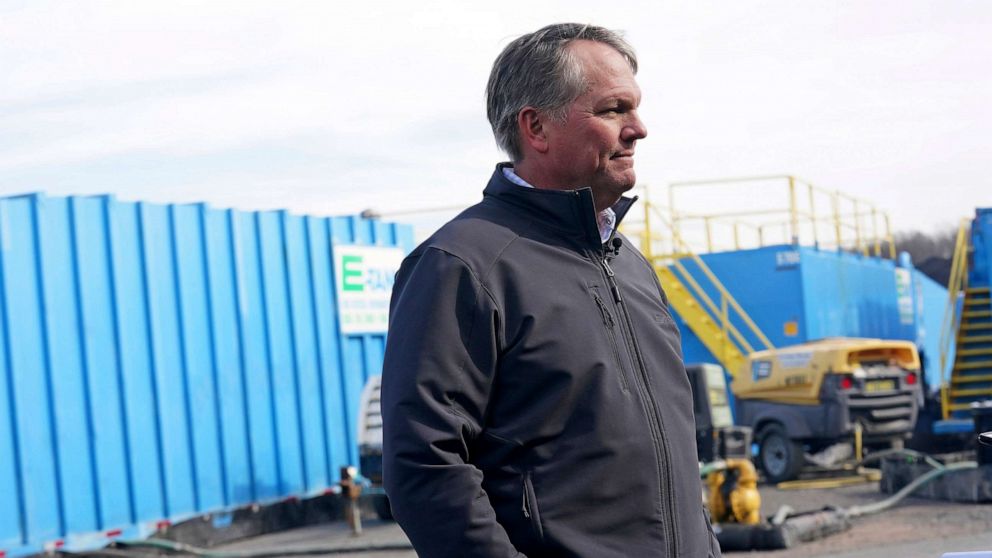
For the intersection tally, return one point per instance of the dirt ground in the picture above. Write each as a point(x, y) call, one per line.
point(916, 528)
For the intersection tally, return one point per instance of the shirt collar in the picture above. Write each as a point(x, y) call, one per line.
point(606, 219)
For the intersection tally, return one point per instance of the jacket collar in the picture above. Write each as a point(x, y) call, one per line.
point(571, 210)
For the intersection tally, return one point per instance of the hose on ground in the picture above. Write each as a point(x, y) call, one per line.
point(907, 452)
point(887, 503)
point(171, 546)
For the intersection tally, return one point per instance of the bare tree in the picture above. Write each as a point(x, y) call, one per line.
point(931, 252)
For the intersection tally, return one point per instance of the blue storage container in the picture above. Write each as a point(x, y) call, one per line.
point(162, 361)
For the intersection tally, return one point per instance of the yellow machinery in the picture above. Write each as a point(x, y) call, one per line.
point(795, 374)
point(733, 493)
point(814, 395)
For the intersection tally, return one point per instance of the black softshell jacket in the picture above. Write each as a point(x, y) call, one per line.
point(534, 398)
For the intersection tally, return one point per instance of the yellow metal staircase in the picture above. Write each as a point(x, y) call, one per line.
point(968, 324)
point(711, 333)
point(971, 377)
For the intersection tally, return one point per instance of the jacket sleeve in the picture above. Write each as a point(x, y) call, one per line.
point(440, 360)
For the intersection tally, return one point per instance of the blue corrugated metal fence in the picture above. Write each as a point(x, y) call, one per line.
point(161, 361)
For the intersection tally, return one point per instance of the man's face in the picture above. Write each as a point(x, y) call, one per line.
point(594, 146)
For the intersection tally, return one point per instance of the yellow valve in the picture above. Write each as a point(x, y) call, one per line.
point(734, 496)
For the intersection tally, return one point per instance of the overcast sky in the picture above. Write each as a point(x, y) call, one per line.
point(332, 107)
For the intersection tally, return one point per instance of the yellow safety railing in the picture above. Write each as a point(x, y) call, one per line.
point(726, 312)
point(849, 223)
point(956, 285)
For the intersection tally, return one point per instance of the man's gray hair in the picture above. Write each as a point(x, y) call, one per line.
point(537, 70)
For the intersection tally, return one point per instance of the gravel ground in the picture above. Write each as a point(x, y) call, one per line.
point(916, 528)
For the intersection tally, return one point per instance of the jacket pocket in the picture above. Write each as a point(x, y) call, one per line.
point(611, 329)
point(530, 509)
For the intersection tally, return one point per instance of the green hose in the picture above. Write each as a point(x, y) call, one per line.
point(883, 505)
point(907, 452)
point(707, 468)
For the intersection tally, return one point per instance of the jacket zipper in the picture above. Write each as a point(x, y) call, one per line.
point(529, 506)
point(611, 327)
point(656, 426)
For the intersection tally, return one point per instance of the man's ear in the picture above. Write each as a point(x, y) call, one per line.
point(533, 129)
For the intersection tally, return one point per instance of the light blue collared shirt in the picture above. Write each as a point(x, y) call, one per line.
point(606, 219)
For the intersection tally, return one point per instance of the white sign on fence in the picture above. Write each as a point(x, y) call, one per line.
point(363, 276)
point(904, 296)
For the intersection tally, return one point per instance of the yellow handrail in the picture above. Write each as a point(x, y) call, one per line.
point(859, 217)
point(956, 284)
point(701, 294)
point(722, 314)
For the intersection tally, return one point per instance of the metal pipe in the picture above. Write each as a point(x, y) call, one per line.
point(812, 215)
point(709, 234)
point(673, 215)
point(351, 490)
point(712, 181)
point(888, 237)
point(857, 230)
point(793, 215)
point(858, 450)
point(874, 233)
point(835, 202)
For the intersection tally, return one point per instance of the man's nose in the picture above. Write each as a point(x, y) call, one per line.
point(634, 129)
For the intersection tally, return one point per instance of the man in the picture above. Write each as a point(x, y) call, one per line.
point(534, 398)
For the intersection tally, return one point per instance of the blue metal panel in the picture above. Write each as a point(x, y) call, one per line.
point(255, 358)
point(28, 361)
point(136, 362)
point(980, 274)
point(228, 368)
point(311, 410)
point(72, 408)
point(281, 366)
point(97, 308)
point(931, 304)
point(197, 361)
point(851, 295)
point(12, 528)
point(167, 360)
point(338, 440)
point(158, 362)
point(97, 305)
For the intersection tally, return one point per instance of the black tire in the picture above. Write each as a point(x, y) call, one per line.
point(780, 457)
point(382, 508)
